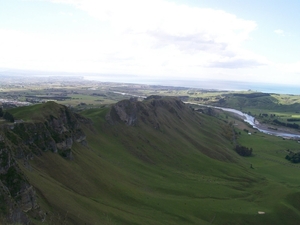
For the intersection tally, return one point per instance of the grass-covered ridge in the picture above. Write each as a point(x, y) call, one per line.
point(37, 112)
point(172, 165)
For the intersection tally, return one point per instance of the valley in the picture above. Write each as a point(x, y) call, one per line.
point(115, 153)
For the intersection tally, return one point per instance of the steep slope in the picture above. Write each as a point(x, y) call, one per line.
point(170, 119)
point(150, 162)
point(51, 128)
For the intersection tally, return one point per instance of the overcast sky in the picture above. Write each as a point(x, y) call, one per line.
point(245, 40)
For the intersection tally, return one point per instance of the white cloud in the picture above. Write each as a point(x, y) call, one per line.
point(66, 13)
point(145, 26)
point(156, 38)
point(279, 32)
point(290, 67)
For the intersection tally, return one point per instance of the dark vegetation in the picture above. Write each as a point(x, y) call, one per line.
point(290, 125)
point(252, 95)
point(9, 117)
point(293, 119)
point(293, 157)
point(243, 151)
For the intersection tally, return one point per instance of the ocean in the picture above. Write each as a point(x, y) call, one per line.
point(204, 84)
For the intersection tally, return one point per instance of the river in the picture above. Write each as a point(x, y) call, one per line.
point(255, 124)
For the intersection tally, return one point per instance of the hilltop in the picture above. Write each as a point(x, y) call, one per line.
point(155, 161)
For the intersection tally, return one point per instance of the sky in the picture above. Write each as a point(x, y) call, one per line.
point(233, 40)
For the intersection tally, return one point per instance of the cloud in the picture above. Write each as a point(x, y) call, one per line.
point(293, 68)
point(66, 13)
point(234, 63)
point(189, 43)
point(279, 32)
point(158, 24)
point(157, 38)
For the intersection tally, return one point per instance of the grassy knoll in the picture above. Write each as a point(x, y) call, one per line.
point(36, 112)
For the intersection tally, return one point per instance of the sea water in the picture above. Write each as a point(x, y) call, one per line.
point(202, 84)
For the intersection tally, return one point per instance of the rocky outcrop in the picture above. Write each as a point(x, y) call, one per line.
point(56, 131)
point(133, 112)
point(125, 111)
point(17, 195)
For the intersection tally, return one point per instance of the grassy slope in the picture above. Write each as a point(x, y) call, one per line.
point(283, 106)
point(282, 175)
point(139, 175)
point(260, 101)
point(36, 112)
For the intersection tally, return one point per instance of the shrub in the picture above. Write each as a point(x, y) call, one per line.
point(9, 117)
point(243, 151)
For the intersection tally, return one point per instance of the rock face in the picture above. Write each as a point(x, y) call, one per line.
point(17, 195)
point(125, 111)
point(55, 132)
point(133, 112)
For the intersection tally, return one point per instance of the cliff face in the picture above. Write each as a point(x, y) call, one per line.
point(22, 142)
point(133, 112)
point(125, 111)
point(17, 195)
point(56, 133)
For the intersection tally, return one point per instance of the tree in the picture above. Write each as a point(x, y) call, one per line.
point(9, 117)
point(1, 112)
point(243, 151)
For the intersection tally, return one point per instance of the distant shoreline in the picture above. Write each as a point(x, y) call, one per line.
point(217, 85)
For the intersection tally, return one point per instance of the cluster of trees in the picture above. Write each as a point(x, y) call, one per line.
point(293, 157)
point(252, 95)
point(7, 116)
point(293, 119)
point(243, 151)
point(266, 115)
point(290, 125)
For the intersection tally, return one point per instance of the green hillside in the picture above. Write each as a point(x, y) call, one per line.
point(259, 101)
point(151, 162)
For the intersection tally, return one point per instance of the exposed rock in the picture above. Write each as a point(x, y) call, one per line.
point(28, 199)
point(131, 112)
point(54, 132)
point(65, 144)
point(125, 111)
point(17, 195)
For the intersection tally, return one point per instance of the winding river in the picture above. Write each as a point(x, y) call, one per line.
point(253, 122)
